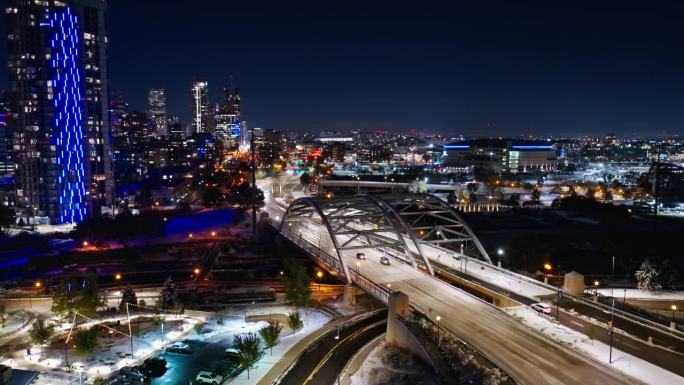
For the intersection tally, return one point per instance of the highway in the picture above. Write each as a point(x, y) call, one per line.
point(528, 357)
point(325, 359)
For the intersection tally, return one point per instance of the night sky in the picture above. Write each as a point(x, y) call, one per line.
point(478, 67)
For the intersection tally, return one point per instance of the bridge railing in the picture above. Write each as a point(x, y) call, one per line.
point(331, 261)
point(378, 291)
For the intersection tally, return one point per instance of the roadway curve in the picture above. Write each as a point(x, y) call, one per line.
point(322, 363)
point(522, 353)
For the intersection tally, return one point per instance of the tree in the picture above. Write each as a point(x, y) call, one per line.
point(294, 321)
point(296, 283)
point(198, 328)
point(536, 195)
point(305, 180)
point(167, 298)
point(591, 192)
point(128, 297)
point(7, 217)
point(270, 334)
point(472, 187)
point(528, 186)
point(3, 316)
point(648, 276)
point(451, 198)
point(212, 197)
point(76, 292)
point(249, 350)
point(514, 200)
point(85, 341)
point(668, 275)
point(41, 333)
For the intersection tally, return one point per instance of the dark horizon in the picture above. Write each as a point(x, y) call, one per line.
point(490, 69)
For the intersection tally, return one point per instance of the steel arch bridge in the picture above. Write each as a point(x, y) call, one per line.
point(406, 227)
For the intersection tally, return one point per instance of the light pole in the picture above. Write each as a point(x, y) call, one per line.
point(439, 320)
point(320, 276)
point(610, 330)
point(673, 324)
point(547, 268)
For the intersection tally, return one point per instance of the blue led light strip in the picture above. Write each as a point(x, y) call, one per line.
point(68, 120)
point(533, 147)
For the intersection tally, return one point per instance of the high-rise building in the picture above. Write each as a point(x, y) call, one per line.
point(228, 124)
point(200, 108)
point(6, 161)
point(156, 102)
point(57, 58)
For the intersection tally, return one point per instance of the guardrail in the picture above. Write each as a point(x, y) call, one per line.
point(331, 261)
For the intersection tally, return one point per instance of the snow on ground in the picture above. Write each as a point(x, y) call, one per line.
point(626, 363)
point(663, 295)
point(313, 320)
point(488, 273)
point(387, 365)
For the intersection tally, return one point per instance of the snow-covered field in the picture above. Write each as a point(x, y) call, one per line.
point(663, 295)
point(392, 366)
point(626, 363)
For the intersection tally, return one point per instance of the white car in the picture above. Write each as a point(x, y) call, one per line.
point(208, 378)
point(541, 307)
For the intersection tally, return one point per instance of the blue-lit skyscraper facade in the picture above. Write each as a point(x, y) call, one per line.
point(59, 97)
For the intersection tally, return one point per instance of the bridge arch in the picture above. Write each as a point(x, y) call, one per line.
point(342, 224)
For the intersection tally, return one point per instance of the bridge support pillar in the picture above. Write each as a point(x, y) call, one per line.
point(350, 294)
point(397, 306)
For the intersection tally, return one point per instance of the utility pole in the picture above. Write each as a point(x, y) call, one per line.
point(130, 330)
point(656, 177)
point(253, 167)
point(612, 313)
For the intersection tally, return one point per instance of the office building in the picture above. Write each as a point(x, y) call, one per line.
point(156, 103)
point(57, 58)
point(228, 124)
point(6, 161)
point(501, 155)
point(200, 108)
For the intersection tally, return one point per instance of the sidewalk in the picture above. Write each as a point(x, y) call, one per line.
point(291, 356)
point(358, 359)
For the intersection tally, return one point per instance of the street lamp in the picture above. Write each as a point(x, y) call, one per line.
point(358, 265)
point(674, 309)
point(547, 267)
point(439, 320)
point(596, 285)
point(196, 271)
point(320, 276)
point(213, 233)
point(117, 276)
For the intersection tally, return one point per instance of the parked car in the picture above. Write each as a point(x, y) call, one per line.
point(154, 367)
point(541, 307)
point(179, 347)
point(205, 377)
point(385, 260)
point(361, 256)
point(232, 355)
point(134, 373)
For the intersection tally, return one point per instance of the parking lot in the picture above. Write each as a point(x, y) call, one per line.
point(206, 355)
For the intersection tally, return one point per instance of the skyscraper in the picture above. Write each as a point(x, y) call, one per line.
point(6, 161)
point(57, 58)
point(200, 107)
point(156, 101)
point(228, 125)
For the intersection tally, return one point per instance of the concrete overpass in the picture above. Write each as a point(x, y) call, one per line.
point(413, 230)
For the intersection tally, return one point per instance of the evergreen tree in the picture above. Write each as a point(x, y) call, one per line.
point(294, 321)
point(167, 298)
point(648, 276)
point(7, 217)
point(85, 341)
point(536, 195)
point(249, 350)
point(296, 283)
point(128, 297)
point(270, 334)
point(40, 333)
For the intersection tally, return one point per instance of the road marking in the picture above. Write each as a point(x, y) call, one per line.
point(631, 346)
point(577, 323)
point(331, 351)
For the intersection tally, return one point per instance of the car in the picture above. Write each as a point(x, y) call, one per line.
point(179, 347)
point(541, 307)
point(205, 377)
point(134, 373)
point(154, 367)
point(384, 260)
point(361, 256)
point(232, 355)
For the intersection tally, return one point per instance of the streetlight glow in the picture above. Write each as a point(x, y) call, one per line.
point(117, 276)
point(38, 284)
point(547, 266)
point(196, 271)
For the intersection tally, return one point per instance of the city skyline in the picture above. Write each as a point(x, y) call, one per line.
point(453, 69)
